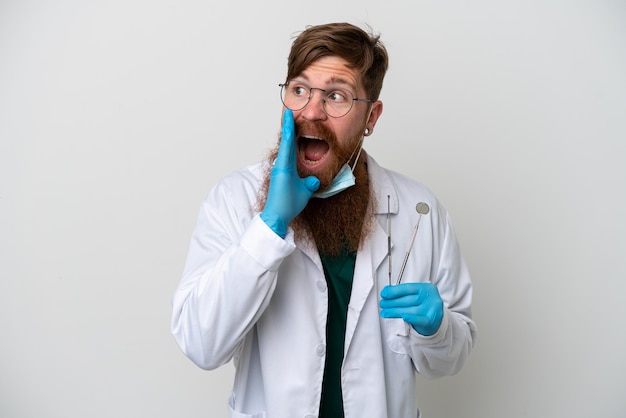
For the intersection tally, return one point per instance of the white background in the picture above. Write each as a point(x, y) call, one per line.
point(116, 117)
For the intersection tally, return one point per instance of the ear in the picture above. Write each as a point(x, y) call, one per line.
point(375, 112)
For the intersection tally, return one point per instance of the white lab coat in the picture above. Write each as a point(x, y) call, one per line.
point(248, 295)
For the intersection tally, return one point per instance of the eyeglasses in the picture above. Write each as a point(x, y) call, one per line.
point(336, 102)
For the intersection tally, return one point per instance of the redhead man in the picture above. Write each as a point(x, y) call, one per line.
point(290, 272)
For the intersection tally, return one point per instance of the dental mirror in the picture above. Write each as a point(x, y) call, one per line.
point(422, 208)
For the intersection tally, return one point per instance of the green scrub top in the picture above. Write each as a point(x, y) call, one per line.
point(339, 272)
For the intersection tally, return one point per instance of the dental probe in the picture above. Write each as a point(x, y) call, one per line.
point(389, 237)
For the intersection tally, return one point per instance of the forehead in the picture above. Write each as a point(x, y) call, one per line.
point(331, 70)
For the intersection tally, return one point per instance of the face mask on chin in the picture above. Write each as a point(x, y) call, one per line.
point(343, 180)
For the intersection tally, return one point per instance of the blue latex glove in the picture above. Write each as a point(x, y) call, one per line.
point(419, 304)
point(288, 194)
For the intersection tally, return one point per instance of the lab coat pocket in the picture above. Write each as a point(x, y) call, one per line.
point(236, 414)
point(397, 335)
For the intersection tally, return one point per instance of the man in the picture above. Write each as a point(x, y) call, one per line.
point(290, 270)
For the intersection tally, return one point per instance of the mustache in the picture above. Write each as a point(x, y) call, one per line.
point(316, 129)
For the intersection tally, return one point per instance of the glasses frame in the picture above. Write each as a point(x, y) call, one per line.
point(308, 100)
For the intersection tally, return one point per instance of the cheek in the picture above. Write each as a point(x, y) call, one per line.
point(355, 127)
point(350, 137)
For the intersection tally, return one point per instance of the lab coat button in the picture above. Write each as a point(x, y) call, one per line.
point(321, 286)
point(320, 350)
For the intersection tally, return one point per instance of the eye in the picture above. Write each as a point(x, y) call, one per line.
point(299, 90)
point(338, 96)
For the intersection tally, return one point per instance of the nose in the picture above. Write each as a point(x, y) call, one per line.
point(314, 110)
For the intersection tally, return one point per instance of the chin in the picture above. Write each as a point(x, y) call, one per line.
point(324, 172)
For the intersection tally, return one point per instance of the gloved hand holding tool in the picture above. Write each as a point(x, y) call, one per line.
point(419, 304)
point(288, 193)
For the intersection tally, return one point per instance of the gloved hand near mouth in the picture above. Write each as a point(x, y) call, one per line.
point(288, 193)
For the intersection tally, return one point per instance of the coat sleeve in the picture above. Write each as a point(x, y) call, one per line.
point(445, 352)
point(229, 276)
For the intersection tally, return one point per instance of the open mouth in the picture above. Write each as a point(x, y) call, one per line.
point(312, 150)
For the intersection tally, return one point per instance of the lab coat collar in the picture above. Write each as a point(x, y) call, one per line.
point(374, 251)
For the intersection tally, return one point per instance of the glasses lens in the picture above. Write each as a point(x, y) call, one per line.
point(337, 102)
point(294, 96)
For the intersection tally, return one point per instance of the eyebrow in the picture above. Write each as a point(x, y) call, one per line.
point(334, 80)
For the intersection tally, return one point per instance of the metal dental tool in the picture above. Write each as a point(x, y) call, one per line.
point(389, 236)
point(423, 209)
